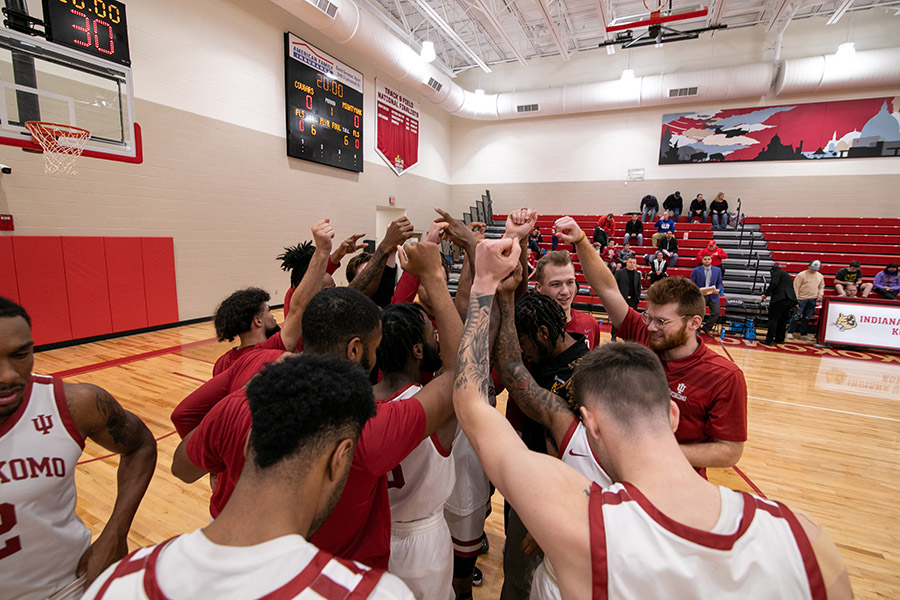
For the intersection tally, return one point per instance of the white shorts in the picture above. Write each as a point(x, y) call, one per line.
point(473, 488)
point(543, 587)
point(422, 556)
point(466, 531)
point(73, 591)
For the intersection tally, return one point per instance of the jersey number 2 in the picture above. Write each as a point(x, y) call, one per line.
point(7, 522)
point(396, 479)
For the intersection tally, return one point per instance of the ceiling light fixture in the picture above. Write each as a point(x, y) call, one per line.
point(479, 92)
point(427, 53)
point(846, 50)
point(628, 75)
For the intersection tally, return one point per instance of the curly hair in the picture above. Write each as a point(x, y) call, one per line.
point(335, 316)
point(234, 315)
point(296, 260)
point(8, 308)
point(534, 310)
point(402, 327)
point(298, 403)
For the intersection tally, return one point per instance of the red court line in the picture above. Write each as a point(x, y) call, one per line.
point(727, 353)
point(129, 359)
point(189, 377)
point(90, 460)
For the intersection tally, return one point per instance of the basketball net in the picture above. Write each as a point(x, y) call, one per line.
point(62, 145)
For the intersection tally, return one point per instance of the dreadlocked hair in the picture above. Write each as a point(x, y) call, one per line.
point(296, 260)
point(402, 327)
point(534, 310)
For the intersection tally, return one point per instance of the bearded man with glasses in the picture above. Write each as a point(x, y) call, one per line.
point(709, 389)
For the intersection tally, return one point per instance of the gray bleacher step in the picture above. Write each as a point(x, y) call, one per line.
point(745, 252)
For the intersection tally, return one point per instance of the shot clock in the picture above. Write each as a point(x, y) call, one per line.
point(96, 27)
point(324, 101)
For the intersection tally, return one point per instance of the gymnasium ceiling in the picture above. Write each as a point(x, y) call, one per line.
point(477, 34)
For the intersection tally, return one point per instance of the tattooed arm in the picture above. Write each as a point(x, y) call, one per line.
point(556, 511)
point(398, 232)
point(537, 403)
point(99, 417)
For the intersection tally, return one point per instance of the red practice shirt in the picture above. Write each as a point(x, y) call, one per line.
point(586, 325)
point(709, 389)
point(230, 357)
point(359, 528)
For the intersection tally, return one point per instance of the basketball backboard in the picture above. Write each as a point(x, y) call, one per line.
point(42, 81)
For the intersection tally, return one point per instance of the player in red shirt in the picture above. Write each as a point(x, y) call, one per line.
point(664, 527)
point(710, 390)
point(555, 277)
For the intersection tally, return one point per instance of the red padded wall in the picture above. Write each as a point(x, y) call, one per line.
point(9, 288)
point(42, 287)
point(159, 280)
point(84, 259)
point(124, 267)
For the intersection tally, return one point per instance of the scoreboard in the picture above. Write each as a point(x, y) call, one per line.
point(324, 101)
point(96, 27)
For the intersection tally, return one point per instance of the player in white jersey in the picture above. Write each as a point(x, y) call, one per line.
point(299, 453)
point(421, 550)
point(45, 549)
point(630, 419)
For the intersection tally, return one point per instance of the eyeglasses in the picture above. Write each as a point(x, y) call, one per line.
point(660, 323)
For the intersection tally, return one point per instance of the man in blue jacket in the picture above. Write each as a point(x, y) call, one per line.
point(706, 276)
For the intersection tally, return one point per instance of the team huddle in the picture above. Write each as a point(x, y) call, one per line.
point(352, 451)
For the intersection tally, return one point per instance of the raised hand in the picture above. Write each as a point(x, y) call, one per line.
point(398, 231)
point(567, 230)
point(511, 283)
point(349, 246)
point(477, 228)
point(519, 223)
point(434, 233)
point(495, 259)
point(420, 259)
point(454, 229)
point(323, 234)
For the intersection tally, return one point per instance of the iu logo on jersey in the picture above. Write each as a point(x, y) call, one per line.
point(681, 387)
point(43, 423)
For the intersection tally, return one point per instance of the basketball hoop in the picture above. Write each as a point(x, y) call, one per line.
point(62, 145)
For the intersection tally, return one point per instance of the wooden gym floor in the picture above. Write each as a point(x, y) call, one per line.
point(824, 438)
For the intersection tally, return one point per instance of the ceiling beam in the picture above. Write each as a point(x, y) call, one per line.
point(560, 45)
point(482, 7)
point(448, 31)
point(603, 13)
point(779, 12)
point(839, 12)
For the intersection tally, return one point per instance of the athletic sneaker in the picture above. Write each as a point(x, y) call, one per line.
point(790, 336)
point(478, 577)
point(485, 544)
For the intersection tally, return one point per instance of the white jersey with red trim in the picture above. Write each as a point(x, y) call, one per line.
point(420, 485)
point(576, 452)
point(758, 549)
point(41, 537)
point(191, 566)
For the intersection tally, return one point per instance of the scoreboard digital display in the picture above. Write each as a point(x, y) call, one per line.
point(324, 101)
point(96, 27)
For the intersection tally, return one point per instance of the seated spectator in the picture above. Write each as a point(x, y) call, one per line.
point(718, 208)
point(624, 254)
point(649, 208)
point(709, 279)
point(669, 247)
point(662, 226)
point(634, 227)
point(887, 282)
point(658, 268)
point(610, 256)
point(603, 231)
point(534, 240)
point(849, 280)
point(697, 209)
point(674, 204)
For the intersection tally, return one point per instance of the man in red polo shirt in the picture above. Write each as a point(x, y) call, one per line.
point(709, 390)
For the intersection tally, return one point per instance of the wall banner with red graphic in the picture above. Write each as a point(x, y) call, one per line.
point(397, 128)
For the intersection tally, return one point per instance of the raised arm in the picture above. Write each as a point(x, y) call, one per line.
point(99, 417)
point(461, 235)
point(309, 286)
point(519, 223)
point(537, 403)
point(349, 246)
point(598, 275)
point(556, 511)
point(397, 232)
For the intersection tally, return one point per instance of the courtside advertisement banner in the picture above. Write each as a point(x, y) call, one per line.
point(862, 324)
point(397, 128)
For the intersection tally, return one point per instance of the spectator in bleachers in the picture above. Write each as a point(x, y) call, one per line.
point(697, 209)
point(718, 255)
point(624, 254)
point(629, 281)
point(662, 226)
point(809, 286)
point(709, 279)
point(718, 208)
point(649, 208)
point(674, 204)
point(887, 282)
point(658, 268)
point(782, 299)
point(634, 228)
point(849, 281)
point(534, 240)
point(603, 231)
point(610, 256)
point(668, 246)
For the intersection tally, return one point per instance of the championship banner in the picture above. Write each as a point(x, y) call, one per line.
point(396, 129)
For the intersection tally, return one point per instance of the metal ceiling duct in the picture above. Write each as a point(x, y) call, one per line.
point(364, 34)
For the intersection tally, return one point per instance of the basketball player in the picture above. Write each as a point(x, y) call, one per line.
point(340, 322)
point(555, 277)
point(710, 389)
point(245, 314)
point(45, 549)
point(667, 532)
point(375, 276)
point(299, 454)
